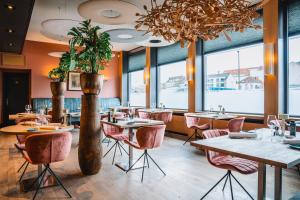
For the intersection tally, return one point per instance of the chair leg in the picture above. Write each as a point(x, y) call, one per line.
point(119, 148)
point(230, 183)
point(21, 177)
point(39, 186)
point(22, 165)
point(226, 175)
point(59, 181)
point(109, 150)
point(113, 161)
point(225, 183)
point(242, 186)
point(154, 162)
point(135, 163)
point(124, 149)
point(189, 139)
point(39, 176)
point(147, 161)
point(143, 167)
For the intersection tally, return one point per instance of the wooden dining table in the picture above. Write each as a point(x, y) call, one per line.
point(131, 125)
point(25, 130)
point(155, 110)
point(213, 117)
point(26, 116)
point(264, 151)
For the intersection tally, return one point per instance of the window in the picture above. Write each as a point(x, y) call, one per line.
point(294, 58)
point(173, 87)
point(137, 88)
point(235, 79)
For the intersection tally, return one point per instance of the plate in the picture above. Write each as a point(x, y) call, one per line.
point(295, 146)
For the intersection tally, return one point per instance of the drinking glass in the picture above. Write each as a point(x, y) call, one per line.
point(28, 108)
point(271, 121)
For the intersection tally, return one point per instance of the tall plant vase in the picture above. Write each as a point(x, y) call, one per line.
point(58, 90)
point(90, 147)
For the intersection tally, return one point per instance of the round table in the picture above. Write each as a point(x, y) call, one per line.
point(23, 130)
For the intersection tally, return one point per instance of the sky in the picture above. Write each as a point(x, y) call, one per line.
point(294, 49)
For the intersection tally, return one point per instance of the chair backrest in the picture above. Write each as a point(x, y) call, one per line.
point(21, 138)
point(211, 155)
point(144, 115)
point(150, 137)
point(236, 124)
point(166, 117)
point(47, 148)
point(190, 120)
point(111, 129)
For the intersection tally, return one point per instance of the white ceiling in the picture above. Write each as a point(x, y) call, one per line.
point(67, 9)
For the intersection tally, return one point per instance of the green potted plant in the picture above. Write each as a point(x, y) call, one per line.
point(58, 86)
point(89, 50)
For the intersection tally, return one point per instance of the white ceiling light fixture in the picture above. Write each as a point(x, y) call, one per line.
point(57, 29)
point(56, 54)
point(154, 42)
point(109, 12)
point(126, 35)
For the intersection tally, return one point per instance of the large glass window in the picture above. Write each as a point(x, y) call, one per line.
point(294, 75)
point(137, 88)
point(235, 79)
point(173, 87)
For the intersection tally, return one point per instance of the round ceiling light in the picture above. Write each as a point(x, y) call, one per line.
point(57, 29)
point(154, 42)
point(56, 54)
point(126, 35)
point(109, 12)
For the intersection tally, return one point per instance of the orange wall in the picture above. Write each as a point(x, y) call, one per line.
point(37, 59)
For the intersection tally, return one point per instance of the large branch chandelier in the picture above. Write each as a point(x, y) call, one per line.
point(189, 20)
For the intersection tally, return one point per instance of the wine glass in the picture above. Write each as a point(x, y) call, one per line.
point(28, 108)
point(271, 121)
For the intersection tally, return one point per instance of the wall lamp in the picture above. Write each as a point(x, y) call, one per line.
point(269, 59)
point(189, 69)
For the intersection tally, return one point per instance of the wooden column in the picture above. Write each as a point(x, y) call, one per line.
point(58, 100)
point(271, 36)
point(190, 70)
point(90, 148)
point(147, 77)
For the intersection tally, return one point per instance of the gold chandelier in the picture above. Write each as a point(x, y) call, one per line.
point(189, 20)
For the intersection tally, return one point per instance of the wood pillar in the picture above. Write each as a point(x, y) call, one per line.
point(90, 148)
point(271, 36)
point(147, 77)
point(190, 70)
point(58, 100)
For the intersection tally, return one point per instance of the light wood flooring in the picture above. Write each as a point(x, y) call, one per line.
point(189, 176)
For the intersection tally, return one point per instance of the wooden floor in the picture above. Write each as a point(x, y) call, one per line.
point(189, 176)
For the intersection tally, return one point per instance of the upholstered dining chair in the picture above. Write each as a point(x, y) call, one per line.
point(117, 134)
point(193, 123)
point(229, 163)
point(144, 115)
point(166, 117)
point(44, 149)
point(236, 124)
point(148, 137)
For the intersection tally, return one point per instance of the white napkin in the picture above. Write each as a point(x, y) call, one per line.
point(291, 141)
point(241, 135)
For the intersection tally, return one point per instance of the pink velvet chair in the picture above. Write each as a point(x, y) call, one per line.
point(148, 137)
point(166, 117)
point(194, 123)
point(144, 115)
point(236, 124)
point(229, 163)
point(47, 148)
point(117, 134)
